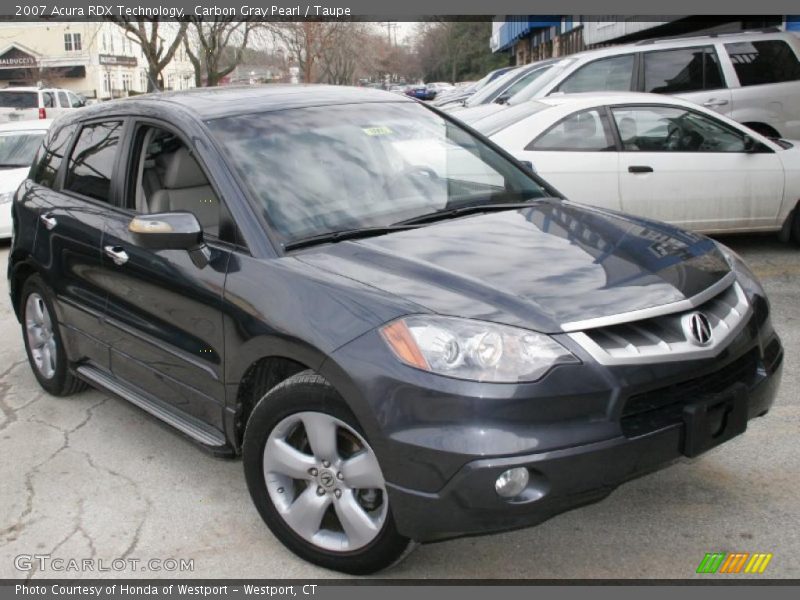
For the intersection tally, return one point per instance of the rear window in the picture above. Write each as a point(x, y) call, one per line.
point(92, 160)
point(681, 70)
point(758, 63)
point(18, 99)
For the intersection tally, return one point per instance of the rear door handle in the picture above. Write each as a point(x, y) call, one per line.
point(49, 221)
point(713, 102)
point(117, 254)
point(640, 169)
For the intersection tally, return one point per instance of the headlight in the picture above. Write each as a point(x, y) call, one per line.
point(474, 350)
point(7, 197)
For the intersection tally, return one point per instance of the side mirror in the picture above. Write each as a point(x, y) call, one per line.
point(167, 231)
point(750, 145)
point(528, 165)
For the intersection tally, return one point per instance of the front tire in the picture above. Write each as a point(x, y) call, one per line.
point(316, 481)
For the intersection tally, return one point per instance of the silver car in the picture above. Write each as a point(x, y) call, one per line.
point(752, 77)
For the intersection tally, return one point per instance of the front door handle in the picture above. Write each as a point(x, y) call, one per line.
point(713, 103)
point(117, 254)
point(49, 221)
point(640, 169)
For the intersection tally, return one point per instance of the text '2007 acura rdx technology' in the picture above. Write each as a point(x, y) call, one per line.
point(406, 334)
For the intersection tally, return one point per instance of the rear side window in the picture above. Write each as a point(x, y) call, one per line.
point(681, 70)
point(92, 160)
point(757, 63)
point(606, 74)
point(585, 131)
point(19, 99)
point(51, 154)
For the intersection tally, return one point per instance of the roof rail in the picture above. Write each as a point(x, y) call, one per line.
point(689, 36)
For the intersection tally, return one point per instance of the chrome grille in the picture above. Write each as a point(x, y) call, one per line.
point(666, 337)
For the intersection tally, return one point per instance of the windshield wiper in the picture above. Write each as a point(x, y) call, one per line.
point(447, 213)
point(345, 234)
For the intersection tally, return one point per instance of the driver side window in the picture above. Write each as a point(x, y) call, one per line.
point(166, 177)
point(673, 129)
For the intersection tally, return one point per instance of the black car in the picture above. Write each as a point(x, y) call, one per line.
point(405, 333)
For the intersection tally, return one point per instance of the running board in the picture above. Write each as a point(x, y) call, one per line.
point(202, 434)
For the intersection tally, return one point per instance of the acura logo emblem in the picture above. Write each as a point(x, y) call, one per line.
point(327, 479)
point(698, 329)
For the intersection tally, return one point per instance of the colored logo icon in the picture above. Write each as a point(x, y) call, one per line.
point(734, 562)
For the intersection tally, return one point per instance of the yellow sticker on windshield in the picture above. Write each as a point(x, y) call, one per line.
point(377, 131)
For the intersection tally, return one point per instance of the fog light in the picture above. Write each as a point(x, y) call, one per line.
point(511, 482)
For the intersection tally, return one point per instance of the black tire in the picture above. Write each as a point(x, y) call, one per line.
point(62, 382)
point(308, 391)
point(795, 227)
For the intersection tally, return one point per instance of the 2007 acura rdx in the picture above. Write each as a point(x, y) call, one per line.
point(406, 334)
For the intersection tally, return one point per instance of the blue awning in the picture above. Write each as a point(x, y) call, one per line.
point(516, 28)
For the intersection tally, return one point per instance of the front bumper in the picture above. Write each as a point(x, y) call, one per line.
point(562, 479)
point(442, 443)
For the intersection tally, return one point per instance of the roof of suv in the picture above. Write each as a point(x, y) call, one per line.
point(211, 103)
point(680, 42)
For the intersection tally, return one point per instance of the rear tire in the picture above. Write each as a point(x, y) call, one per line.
point(795, 227)
point(310, 494)
point(43, 343)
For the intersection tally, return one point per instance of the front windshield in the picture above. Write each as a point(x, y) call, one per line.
point(335, 168)
point(532, 90)
point(492, 89)
point(18, 149)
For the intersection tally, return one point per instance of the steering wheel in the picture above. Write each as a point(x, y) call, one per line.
point(674, 139)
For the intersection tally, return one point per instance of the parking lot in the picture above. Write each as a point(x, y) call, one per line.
point(94, 477)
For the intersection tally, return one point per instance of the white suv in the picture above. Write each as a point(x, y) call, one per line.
point(752, 77)
point(26, 103)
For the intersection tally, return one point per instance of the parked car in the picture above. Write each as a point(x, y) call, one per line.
point(458, 96)
point(27, 103)
point(506, 86)
point(438, 87)
point(18, 145)
point(753, 78)
point(405, 333)
point(418, 91)
point(656, 156)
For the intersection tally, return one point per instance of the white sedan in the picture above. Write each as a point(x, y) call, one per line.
point(19, 141)
point(657, 157)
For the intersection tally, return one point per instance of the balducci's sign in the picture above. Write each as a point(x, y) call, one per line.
point(110, 59)
point(16, 58)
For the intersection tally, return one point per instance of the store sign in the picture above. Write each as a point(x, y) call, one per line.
point(125, 61)
point(17, 59)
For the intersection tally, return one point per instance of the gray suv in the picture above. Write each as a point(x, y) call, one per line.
point(405, 333)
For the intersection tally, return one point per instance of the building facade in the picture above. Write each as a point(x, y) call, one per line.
point(96, 59)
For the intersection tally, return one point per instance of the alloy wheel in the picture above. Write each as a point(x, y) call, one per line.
point(41, 337)
point(325, 481)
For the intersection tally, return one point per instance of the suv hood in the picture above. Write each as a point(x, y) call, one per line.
point(534, 267)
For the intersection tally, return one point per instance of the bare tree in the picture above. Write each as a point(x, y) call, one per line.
point(157, 53)
point(220, 47)
point(305, 42)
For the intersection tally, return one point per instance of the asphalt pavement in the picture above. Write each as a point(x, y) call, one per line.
point(94, 477)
